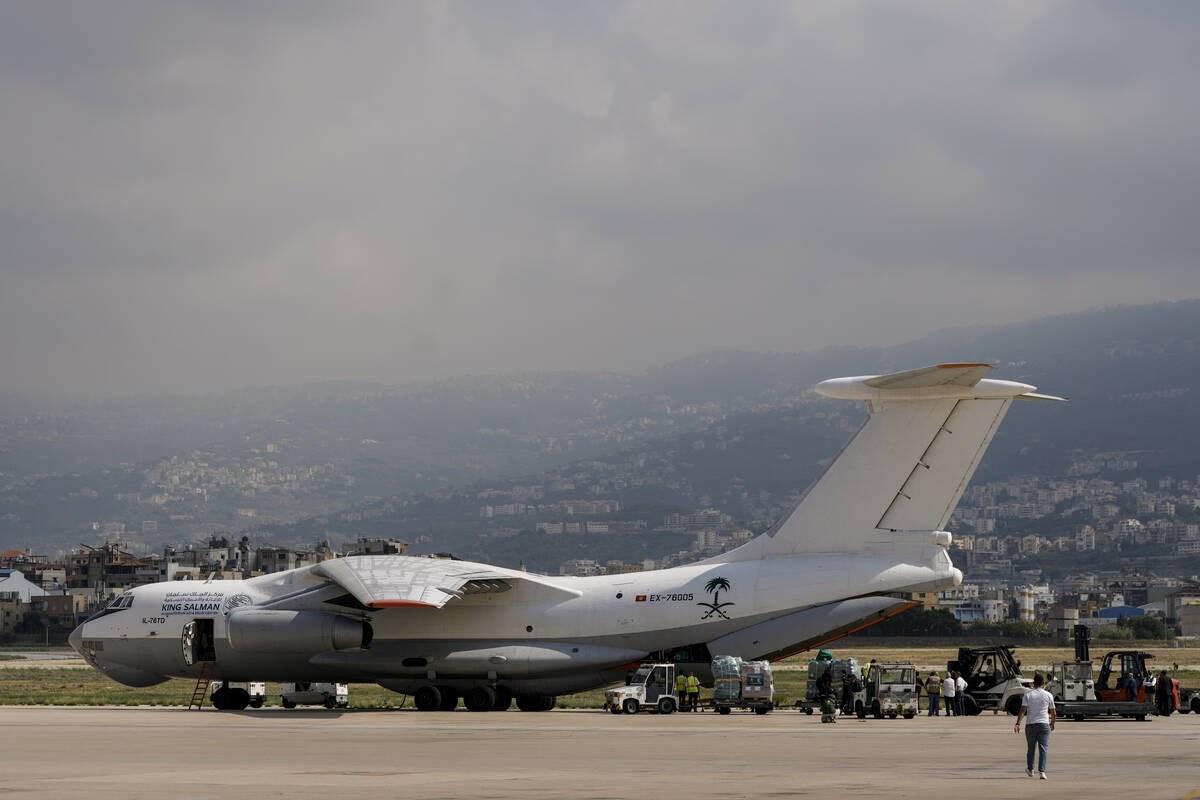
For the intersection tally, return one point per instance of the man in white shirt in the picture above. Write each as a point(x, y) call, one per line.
point(960, 695)
point(1037, 709)
point(948, 693)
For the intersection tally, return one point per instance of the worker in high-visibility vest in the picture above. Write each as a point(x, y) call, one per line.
point(693, 691)
point(681, 690)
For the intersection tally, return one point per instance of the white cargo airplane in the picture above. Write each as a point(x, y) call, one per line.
point(866, 532)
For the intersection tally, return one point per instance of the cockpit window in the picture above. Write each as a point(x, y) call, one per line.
point(119, 603)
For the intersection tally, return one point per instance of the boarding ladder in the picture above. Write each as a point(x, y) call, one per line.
point(206, 673)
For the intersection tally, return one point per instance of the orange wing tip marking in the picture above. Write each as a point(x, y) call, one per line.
point(400, 604)
point(960, 366)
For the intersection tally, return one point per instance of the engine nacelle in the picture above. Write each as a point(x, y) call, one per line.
point(265, 631)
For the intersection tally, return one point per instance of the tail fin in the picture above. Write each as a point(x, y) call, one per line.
point(906, 467)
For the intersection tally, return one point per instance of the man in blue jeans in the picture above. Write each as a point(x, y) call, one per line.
point(1037, 709)
point(933, 688)
point(960, 695)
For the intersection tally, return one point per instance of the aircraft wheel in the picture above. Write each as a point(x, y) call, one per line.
point(427, 698)
point(724, 710)
point(219, 699)
point(630, 706)
point(237, 699)
point(449, 699)
point(666, 705)
point(480, 698)
point(287, 703)
point(535, 702)
point(503, 699)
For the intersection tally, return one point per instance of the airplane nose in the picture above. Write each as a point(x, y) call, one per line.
point(76, 639)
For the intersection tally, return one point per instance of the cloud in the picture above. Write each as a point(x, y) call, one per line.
point(196, 196)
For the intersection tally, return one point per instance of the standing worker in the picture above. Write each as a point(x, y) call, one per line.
point(848, 692)
point(1037, 708)
point(933, 688)
point(681, 689)
point(948, 692)
point(693, 691)
point(960, 695)
point(1164, 696)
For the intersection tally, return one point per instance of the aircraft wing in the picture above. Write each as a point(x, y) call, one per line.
point(412, 582)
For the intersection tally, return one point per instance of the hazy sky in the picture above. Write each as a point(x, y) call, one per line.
point(197, 196)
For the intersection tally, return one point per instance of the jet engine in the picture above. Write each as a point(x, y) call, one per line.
point(265, 631)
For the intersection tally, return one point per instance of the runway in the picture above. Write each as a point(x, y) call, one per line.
point(153, 752)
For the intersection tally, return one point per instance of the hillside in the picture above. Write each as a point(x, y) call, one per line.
point(727, 424)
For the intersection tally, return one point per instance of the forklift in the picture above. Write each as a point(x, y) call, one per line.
point(1134, 661)
point(994, 679)
point(1077, 695)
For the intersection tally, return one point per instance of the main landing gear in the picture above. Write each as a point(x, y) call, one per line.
point(230, 699)
point(483, 697)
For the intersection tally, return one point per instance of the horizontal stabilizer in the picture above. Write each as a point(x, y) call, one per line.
point(939, 382)
point(939, 375)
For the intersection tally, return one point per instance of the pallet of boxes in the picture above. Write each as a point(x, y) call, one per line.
point(742, 684)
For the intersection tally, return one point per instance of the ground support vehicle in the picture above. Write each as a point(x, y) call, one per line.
point(1189, 700)
point(1119, 663)
point(1074, 690)
point(890, 690)
point(742, 684)
point(650, 688)
point(994, 679)
point(233, 696)
point(817, 668)
point(330, 695)
point(1075, 698)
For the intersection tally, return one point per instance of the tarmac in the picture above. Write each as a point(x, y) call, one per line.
point(156, 752)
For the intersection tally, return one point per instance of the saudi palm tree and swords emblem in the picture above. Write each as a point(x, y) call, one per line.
point(714, 587)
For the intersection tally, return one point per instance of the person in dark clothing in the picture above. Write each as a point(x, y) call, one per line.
point(1132, 685)
point(848, 693)
point(1164, 698)
point(825, 683)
